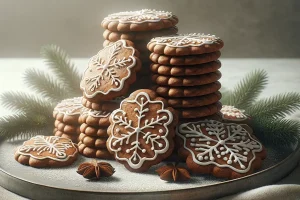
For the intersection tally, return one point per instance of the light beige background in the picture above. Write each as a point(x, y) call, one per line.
point(250, 28)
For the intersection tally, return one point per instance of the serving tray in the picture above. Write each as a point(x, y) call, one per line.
point(65, 183)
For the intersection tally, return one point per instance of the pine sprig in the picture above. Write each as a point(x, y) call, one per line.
point(44, 85)
point(23, 103)
point(59, 62)
point(274, 107)
point(248, 89)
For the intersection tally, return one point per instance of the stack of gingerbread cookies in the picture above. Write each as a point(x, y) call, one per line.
point(66, 114)
point(139, 27)
point(107, 78)
point(185, 72)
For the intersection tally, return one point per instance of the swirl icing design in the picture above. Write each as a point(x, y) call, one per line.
point(51, 147)
point(95, 113)
point(141, 135)
point(212, 142)
point(71, 106)
point(140, 16)
point(108, 67)
point(232, 113)
point(186, 40)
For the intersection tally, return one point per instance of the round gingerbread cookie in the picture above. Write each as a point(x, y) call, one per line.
point(185, 44)
point(93, 142)
point(94, 152)
point(167, 91)
point(73, 137)
point(138, 36)
point(194, 101)
point(68, 129)
point(104, 106)
point(110, 73)
point(47, 151)
point(141, 20)
point(140, 46)
point(201, 111)
point(227, 150)
point(186, 80)
point(93, 131)
point(142, 131)
point(234, 115)
point(68, 110)
point(95, 118)
point(191, 70)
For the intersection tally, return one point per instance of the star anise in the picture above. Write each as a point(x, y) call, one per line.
point(95, 170)
point(171, 172)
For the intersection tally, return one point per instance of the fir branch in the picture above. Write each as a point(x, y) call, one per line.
point(24, 103)
point(45, 85)
point(277, 106)
point(20, 126)
point(248, 89)
point(60, 64)
point(277, 132)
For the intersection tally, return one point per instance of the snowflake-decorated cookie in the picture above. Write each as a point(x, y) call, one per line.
point(94, 117)
point(185, 44)
point(47, 151)
point(234, 115)
point(110, 72)
point(141, 131)
point(223, 150)
point(141, 20)
point(68, 110)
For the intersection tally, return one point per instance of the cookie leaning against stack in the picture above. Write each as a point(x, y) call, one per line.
point(185, 71)
point(139, 27)
point(66, 114)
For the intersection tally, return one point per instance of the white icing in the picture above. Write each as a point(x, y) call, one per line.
point(104, 67)
point(232, 149)
point(232, 113)
point(140, 16)
point(52, 144)
point(71, 106)
point(185, 40)
point(144, 130)
point(95, 113)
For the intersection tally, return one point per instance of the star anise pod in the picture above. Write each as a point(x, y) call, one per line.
point(171, 172)
point(95, 170)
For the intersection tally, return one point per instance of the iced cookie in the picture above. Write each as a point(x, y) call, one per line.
point(93, 131)
point(234, 115)
point(95, 118)
point(104, 106)
point(101, 153)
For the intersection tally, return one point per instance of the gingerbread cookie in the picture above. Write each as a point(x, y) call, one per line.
point(184, 60)
point(223, 150)
point(201, 111)
point(167, 91)
point(191, 70)
point(68, 129)
point(93, 142)
point(104, 106)
point(94, 152)
point(73, 137)
point(185, 44)
point(141, 131)
point(68, 110)
point(138, 36)
point(194, 101)
point(46, 151)
point(93, 131)
point(110, 72)
point(234, 115)
point(186, 80)
point(141, 20)
point(95, 118)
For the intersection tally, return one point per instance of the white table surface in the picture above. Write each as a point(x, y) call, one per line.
point(284, 76)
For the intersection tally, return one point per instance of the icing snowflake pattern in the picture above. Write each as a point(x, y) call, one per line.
point(106, 67)
point(209, 141)
point(232, 113)
point(140, 16)
point(95, 113)
point(52, 147)
point(71, 106)
point(186, 40)
point(133, 138)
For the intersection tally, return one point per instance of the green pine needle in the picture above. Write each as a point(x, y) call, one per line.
point(60, 64)
point(248, 89)
point(44, 85)
point(277, 106)
point(277, 132)
point(23, 127)
point(24, 103)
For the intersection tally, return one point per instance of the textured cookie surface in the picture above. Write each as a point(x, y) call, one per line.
point(201, 111)
point(141, 131)
point(68, 110)
point(104, 106)
point(47, 151)
point(110, 72)
point(141, 20)
point(185, 44)
point(95, 118)
point(223, 150)
point(94, 152)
